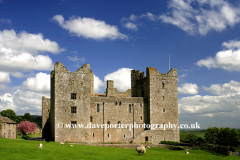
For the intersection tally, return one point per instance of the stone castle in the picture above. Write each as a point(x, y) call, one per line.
point(152, 100)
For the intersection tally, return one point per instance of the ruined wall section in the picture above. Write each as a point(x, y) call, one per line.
point(46, 103)
point(140, 88)
point(72, 89)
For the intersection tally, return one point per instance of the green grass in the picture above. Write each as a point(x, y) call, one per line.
point(23, 149)
point(28, 136)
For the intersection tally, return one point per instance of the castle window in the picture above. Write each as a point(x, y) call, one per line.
point(163, 109)
point(120, 103)
point(153, 97)
point(159, 126)
point(74, 124)
point(140, 104)
point(124, 136)
point(119, 124)
point(91, 119)
point(108, 123)
point(115, 103)
point(4, 127)
point(97, 107)
point(93, 134)
point(129, 108)
point(146, 138)
point(73, 109)
point(162, 85)
point(163, 97)
point(73, 95)
point(108, 135)
point(140, 117)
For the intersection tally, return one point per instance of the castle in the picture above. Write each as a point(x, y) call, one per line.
point(152, 100)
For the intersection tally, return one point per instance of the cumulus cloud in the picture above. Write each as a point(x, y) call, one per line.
point(227, 59)
point(12, 60)
point(32, 43)
point(203, 17)
point(22, 51)
point(188, 88)
point(39, 83)
point(89, 28)
point(121, 78)
point(98, 84)
point(232, 44)
point(4, 77)
point(22, 102)
point(227, 101)
point(230, 88)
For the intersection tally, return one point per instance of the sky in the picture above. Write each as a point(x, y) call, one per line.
point(202, 38)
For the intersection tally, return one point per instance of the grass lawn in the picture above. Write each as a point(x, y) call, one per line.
point(29, 136)
point(25, 149)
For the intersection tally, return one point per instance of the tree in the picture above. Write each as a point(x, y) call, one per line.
point(234, 138)
point(27, 117)
point(26, 127)
point(10, 114)
point(211, 135)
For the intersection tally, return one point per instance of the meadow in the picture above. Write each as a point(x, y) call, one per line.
point(26, 149)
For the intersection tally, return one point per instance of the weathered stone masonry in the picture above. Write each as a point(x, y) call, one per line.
point(152, 99)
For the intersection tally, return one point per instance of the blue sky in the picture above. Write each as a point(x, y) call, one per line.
point(116, 36)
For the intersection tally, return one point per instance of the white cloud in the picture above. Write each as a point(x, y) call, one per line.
point(32, 43)
point(203, 17)
point(128, 22)
point(230, 88)
point(39, 83)
point(188, 88)
point(121, 78)
point(75, 58)
point(149, 16)
point(227, 101)
point(130, 25)
point(232, 44)
point(89, 28)
point(22, 102)
point(12, 60)
point(228, 60)
point(4, 77)
point(98, 84)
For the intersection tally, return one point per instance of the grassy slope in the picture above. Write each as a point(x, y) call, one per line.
point(22, 149)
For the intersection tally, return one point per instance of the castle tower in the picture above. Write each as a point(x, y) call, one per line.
point(70, 102)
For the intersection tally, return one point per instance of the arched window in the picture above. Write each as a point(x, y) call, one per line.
point(129, 108)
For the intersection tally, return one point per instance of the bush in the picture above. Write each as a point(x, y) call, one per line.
point(171, 143)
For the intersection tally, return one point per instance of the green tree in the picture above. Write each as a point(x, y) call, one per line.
point(234, 138)
point(27, 117)
point(10, 114)
point(211, 135)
